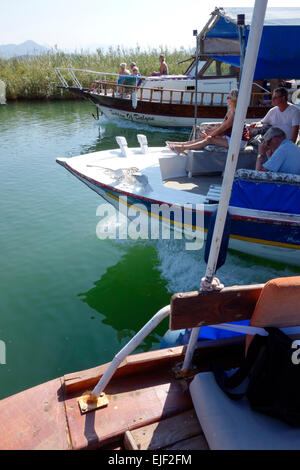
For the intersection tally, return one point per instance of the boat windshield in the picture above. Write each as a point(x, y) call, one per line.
point(192, 70)
point(212, 68)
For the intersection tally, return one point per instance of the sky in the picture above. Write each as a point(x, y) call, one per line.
point(83, 25)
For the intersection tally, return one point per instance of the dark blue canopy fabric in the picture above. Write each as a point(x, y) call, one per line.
point(279, 52)
point(266, 196)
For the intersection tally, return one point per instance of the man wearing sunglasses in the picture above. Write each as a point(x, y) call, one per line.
point(284, 155)
point(284, 115)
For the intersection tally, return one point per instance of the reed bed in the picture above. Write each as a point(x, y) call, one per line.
point(33, 77)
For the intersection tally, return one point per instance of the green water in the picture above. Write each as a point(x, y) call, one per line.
point(70, 301)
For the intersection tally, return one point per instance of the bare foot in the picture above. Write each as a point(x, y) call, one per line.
point(179, 149)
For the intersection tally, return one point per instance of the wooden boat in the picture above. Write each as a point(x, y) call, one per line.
point(148, 404)
point(147, 401)
point(167, 101)
point(177, 100)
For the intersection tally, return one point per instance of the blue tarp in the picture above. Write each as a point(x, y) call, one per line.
point(174, 338)
point(279, 52)
point(266, 196)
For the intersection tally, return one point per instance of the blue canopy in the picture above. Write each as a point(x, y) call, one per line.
point(279, 52)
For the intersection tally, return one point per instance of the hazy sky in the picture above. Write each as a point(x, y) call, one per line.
point(83, 24)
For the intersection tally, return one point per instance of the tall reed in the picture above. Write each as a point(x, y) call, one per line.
point(33, 77)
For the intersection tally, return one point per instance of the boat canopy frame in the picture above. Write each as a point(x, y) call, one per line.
point(279, 53)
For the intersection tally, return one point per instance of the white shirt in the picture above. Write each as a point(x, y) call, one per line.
point(285, 120)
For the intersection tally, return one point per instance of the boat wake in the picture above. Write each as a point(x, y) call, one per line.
point(184, 269)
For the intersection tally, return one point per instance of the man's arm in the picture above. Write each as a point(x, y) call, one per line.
point(259, 163)
point(295, 131)
point(262, 157)
point(255, 124)
point(162, 68)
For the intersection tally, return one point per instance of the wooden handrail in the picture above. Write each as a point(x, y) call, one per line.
point(106, 84)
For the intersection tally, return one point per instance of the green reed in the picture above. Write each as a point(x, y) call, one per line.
point(34, 78)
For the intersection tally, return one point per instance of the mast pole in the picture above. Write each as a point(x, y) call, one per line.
point(257, 23)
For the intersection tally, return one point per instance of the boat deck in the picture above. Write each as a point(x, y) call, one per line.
point(149, 408)
point(195, 184)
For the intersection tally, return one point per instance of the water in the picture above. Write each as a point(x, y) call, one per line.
point(70, 301)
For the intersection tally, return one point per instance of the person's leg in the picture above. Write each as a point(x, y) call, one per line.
point(200, 144)
point(219, 142)
point(169, 143)
point(185, 145)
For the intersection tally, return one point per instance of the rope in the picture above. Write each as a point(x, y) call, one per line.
point(207, 285)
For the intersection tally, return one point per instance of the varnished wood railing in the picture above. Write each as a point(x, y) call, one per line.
point(165, 95)
point(108, 86)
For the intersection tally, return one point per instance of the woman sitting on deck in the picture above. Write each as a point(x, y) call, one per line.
point(220, 136)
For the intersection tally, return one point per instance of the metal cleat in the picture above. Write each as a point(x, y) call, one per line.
point(89, 402)
point(143, 142)
point(122, 142)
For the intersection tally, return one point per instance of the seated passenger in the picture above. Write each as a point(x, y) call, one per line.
point(282, 154)
point(284, 115)
point(134, 69)
point(220, 136)
point(122, 75)
point(123, 72)
point(136, 73)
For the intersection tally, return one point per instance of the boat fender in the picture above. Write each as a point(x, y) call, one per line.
point(134, 99)
point(142, 139)
point(175, 338)
point(122, 142)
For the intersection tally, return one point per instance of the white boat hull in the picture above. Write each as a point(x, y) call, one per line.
point(269, 235)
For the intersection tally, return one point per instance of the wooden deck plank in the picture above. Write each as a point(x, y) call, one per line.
point(167, 432)
point(134, 401)
point(34, 419)
point(46, 417)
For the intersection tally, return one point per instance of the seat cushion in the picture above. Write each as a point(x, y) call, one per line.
point(233, 425)
point(278, 305)
point(205, 161)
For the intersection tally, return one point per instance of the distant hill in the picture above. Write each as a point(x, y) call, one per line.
point(26, 48)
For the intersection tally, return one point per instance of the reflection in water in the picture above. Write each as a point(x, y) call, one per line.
point(108, 130)
point(132, 291)
point(50, 252)
point(125, 297)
